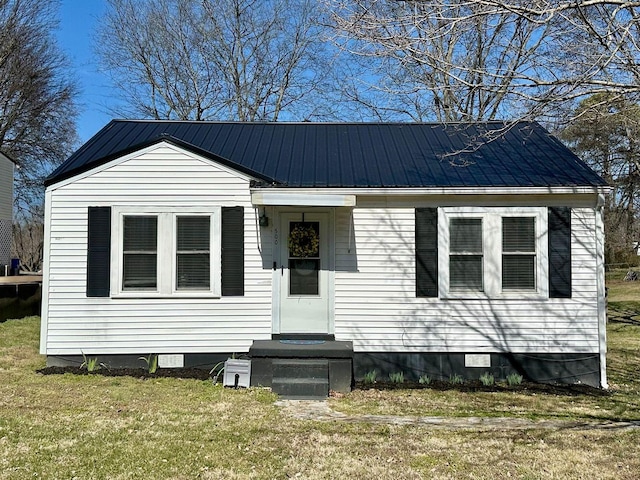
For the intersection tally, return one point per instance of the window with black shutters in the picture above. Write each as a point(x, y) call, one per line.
point(177, 251)
point(494, 252)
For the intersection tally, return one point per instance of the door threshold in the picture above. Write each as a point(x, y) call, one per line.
point(303, 336)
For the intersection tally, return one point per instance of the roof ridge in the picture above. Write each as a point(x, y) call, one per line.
point(350, 123)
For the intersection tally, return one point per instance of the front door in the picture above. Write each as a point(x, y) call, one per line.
point(304, 273)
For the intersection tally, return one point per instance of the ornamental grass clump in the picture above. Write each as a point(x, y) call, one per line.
point(396, 377)
point(514, 379)
point(152, 363)
point(455, 379)
point(90, 364)
point(370, 377)
point(487, 379)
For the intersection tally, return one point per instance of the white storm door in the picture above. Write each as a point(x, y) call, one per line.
point(304, 273)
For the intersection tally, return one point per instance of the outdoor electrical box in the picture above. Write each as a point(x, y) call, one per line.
point(237, 373)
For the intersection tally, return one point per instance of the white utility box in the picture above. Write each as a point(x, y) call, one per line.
point(237, 373)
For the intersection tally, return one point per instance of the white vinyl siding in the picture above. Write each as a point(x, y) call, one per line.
point(377, 308)
point(159, 176)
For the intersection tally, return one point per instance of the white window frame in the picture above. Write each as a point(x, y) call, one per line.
point(166, 251)
point(492, 251)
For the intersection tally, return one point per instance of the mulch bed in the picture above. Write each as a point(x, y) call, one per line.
point(476, 386)
point(468, 386)
point(194, 373)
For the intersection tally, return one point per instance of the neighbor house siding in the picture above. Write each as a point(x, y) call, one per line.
point(6, 208)
point(159, 176)
point(377, 308)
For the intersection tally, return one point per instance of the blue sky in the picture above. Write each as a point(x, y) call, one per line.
point(78, 21)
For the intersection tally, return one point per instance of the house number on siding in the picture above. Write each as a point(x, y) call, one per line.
point(275, 236)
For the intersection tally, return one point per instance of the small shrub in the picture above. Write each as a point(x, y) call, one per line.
point(152, 363)
point(514, 379)
point(396, 377)
point(455, 379)
point(370, 377)
point(487, 379)
point(424, 380)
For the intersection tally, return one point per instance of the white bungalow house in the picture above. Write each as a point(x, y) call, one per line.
point(6, 211)
point(331, 249)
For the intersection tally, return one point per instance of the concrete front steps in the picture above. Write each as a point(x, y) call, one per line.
point(301, 370)
point(300, 378)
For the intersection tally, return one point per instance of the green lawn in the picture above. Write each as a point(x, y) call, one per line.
point(86, 427)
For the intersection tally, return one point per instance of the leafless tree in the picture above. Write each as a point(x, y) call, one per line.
point(28, 240)
point(605, 132)
point(241, 60)
point(484, 59)
point(37, 108)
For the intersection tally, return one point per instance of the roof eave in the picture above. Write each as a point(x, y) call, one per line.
point(263, 179)
point(415, 191)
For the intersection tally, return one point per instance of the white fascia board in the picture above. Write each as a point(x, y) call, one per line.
point(143, 151)
point(306, 199)
point(290, 191)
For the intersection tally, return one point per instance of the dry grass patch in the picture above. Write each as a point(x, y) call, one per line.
point(94, 427)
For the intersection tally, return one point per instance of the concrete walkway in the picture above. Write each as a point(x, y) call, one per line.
point(321, 411)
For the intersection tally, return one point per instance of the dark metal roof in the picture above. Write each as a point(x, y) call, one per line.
point(490, 154)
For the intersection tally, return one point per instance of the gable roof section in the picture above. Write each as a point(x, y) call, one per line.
point(355, 154)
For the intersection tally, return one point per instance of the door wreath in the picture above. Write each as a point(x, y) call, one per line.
point(303, 241)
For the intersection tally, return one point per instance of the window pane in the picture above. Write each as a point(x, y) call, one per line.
point(304, 276)
point(465, 272)
point(518, 272)
point(140, 233)
point(193, 271)
point(518, 234)
point(465, 235)
point(193, 249)
point(193, 233)
point(140, 259)
point(140, 271)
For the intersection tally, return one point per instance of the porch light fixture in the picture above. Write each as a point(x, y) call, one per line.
point(263, 220)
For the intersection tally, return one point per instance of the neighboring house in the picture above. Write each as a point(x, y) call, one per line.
point(6, 211)
point(411, 248)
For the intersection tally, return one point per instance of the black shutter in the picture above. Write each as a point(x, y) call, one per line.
point(560, 252)
point(99, 252)
point(232, 251)
point(426, 252)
